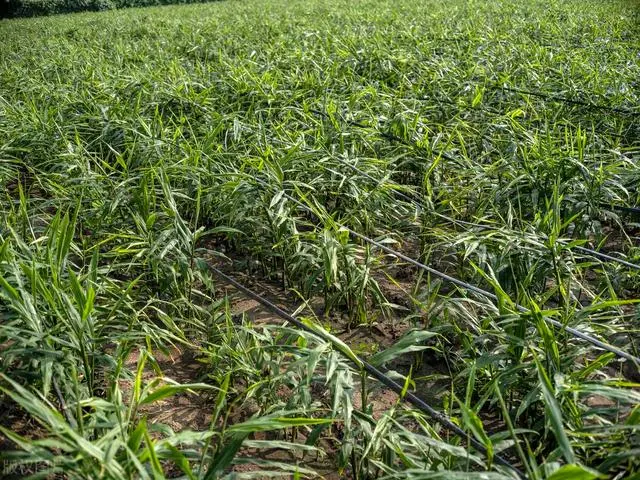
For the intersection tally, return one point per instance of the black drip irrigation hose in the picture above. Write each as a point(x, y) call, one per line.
point(623, 209)
point(590, 45)
point(606, 257)
point(421, 206)
point(535, 43)
point(469, 287)
point(558, 98)
point(418, 204)
point(374, 372)
point(494, 111)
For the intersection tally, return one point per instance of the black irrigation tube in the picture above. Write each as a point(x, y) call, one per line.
point(620, 208)
point(373, 371)
point(622, 44)
point(418, 204)
point(595, 46)
point(558, 98)
point(493, 111)
point(606, 257)
point(469, 287)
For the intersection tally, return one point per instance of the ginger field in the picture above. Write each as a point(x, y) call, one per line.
point(320, 239)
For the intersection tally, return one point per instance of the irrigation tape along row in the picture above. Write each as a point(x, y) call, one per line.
point(467, 286)
point(545, 96)
point(492, 111)
point(372, 371)
point(606, 257)
point(421, 206)
point(534, 43)
point(558, 98)
point(620, 208)
point(602, 256)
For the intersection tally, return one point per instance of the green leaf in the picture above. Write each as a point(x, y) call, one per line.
point(634, 416)
point(135, 438)
point(263, 424)
point(411, 342)
point(477, 99)
point(225, 455)
point(12, 291)
point(169, 390)
point(575, 472)
point(180, 460)
point(156, 468)
point(474, 424)
point(555, 413)
point(335, 341)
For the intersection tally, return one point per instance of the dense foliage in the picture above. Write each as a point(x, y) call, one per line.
point(35, 8)
point(140, 148)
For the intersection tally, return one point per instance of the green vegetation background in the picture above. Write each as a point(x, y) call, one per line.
point(33, 8)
